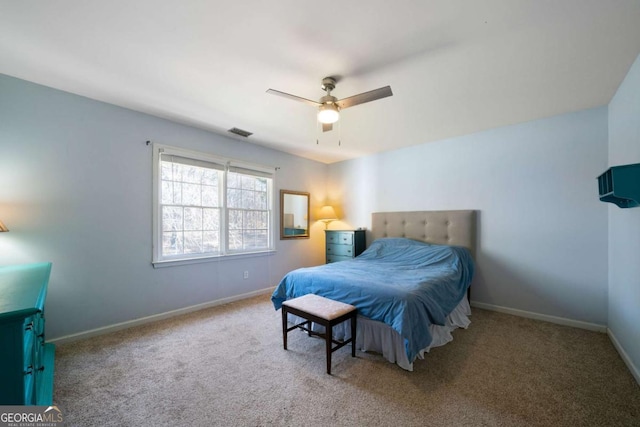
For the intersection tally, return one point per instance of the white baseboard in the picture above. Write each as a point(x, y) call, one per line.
point(545, 317)
point(154, 318)
point(625, 357)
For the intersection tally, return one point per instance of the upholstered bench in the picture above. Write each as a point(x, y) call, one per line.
point(325, 312)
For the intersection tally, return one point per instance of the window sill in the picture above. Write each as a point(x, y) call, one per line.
point(218, 258)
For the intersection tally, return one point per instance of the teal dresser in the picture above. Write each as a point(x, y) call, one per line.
point(342, 245)
point(26, 361)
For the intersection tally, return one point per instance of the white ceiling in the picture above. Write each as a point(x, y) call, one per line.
point(455, 67)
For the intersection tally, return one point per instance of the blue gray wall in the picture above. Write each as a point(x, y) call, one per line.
point(75, 189)
point(624, 224)
point(543, 231)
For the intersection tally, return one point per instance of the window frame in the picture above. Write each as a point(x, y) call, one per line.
point(160, 260)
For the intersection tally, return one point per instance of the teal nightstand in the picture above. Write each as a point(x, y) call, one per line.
point(342, 245)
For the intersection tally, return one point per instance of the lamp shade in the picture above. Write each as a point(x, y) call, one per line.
point(327, 213)
point(3, 227)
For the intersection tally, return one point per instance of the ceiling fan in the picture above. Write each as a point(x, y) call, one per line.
point(329, 106)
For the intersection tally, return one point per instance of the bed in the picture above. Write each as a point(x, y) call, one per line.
point(402, 321)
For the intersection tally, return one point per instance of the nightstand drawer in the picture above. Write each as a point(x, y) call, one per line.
point(336, 258)
point(345, 250)
point(340, 238)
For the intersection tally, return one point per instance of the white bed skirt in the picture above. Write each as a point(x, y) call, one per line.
point(380, 338)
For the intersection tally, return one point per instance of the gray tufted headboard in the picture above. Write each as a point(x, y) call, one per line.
point(440, 227)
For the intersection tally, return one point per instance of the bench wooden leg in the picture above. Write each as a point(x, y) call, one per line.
point(284, 327)
point(329, 339)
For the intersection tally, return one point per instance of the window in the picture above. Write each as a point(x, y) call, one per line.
point(207, 206)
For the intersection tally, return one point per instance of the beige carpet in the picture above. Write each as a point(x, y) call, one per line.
point(225, 366)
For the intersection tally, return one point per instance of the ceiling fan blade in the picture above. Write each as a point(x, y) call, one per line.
point(372, 95)
point(326, 127)
point(295, 98)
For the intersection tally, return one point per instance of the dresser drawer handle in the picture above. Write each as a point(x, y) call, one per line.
point(29, 370)
point(328, 249)
point(29, 327)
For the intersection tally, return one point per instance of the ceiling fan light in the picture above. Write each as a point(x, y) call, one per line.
point(328, 114)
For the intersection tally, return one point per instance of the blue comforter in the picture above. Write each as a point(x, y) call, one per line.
point(404, 283)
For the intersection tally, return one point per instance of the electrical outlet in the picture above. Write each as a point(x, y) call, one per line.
point(246, 274)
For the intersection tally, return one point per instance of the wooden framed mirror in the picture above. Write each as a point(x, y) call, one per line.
point(294, 215)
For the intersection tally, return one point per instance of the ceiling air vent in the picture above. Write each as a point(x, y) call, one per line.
point(240, 132)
